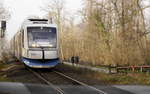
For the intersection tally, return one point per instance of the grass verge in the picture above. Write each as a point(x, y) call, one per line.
point(135, 78)
point(3, 76)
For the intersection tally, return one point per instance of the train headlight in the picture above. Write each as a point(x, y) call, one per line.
point(50, 45)
point(35, 45)
point(26, 62)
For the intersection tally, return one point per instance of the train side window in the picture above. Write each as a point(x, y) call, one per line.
point(23, 38)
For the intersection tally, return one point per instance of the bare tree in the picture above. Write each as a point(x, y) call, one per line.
point(115, 31)
point(4, 15)
point(112, 32)
point(55, 10)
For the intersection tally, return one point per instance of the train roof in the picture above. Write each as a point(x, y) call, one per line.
point(38, 19)
point(38, 22)
point(40, 25)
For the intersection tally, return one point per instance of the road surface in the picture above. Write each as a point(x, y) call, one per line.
point(20, 88)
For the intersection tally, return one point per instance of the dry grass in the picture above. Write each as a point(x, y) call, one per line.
point(114, 79)
point(122, 79)
point(3, 76)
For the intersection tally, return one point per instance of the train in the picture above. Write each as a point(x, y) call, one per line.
point(36, 44)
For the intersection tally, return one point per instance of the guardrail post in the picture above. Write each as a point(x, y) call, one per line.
point(133, 68)
point(109, 68)
point(117, 70)
point(76, 59)
point(72, 60)
point(141, 69)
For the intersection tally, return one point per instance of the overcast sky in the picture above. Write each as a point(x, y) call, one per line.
point(20, 9)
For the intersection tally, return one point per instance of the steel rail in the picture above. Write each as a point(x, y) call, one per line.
point(79, 82)
point(59, 90)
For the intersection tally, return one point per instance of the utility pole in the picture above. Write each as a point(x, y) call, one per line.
point(2, 36)
point(3, 29)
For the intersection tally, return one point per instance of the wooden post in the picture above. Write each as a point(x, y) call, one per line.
point(109, 68)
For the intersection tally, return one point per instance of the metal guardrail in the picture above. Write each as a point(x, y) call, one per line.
point(142, 68)
point(134, 68)
point(115, 68)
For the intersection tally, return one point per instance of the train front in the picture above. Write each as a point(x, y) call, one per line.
point(42, 46)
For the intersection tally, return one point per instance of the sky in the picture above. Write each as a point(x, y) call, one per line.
point(20, 9)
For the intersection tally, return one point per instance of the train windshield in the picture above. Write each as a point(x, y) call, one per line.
point(42, 37)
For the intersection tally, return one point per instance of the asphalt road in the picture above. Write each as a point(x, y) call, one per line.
point(20, 88)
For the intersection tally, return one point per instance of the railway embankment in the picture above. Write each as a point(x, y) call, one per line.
point(14, 71)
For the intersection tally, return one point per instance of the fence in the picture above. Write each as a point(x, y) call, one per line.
point(115, 68)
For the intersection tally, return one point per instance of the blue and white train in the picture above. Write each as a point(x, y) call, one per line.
point(36, 44)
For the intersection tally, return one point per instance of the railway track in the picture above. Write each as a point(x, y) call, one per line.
point(80, 83)
point(42, 77)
